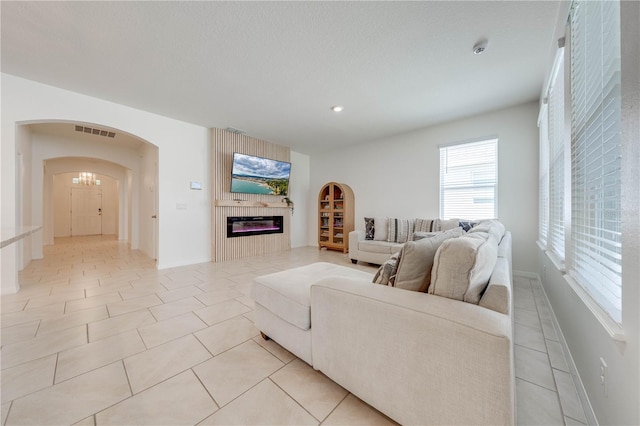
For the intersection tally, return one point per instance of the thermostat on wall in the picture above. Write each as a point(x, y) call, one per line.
point(196, 185)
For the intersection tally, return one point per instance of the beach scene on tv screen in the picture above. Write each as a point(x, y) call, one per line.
point(255, 175)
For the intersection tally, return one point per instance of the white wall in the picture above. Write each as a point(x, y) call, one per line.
point(301, 196)
point(399, 176)
point(23, 205)
point(586, 338)
point(183, 156)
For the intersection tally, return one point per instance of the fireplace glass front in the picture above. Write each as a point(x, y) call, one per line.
point(242, 226)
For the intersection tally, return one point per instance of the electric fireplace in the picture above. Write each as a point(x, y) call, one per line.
point(243, 226)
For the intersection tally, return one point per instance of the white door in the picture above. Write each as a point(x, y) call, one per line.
point(86, 211)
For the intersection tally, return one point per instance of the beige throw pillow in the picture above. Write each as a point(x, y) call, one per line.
point(493, 227)
point(446, 224)
point(416, 261)
point(381, 228)
point(455, 232)
point(462, 267)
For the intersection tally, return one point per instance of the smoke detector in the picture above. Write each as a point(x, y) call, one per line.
point(480, 47)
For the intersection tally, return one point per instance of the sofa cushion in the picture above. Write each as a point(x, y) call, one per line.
point(368, 228)
point(381, 230)
point(424, 225)
point(400, 230)
point(446, 224)
point(386, 273)
point(379, 247)
point(455, 232)
point(287, 293)
point(493, 227)
point(462, 267)
point(466, 225)
point(416, 261)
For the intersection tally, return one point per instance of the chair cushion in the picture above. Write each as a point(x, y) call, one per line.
point(287, 293)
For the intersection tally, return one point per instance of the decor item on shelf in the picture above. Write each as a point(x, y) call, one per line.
point(289, 203)
point(335, 216)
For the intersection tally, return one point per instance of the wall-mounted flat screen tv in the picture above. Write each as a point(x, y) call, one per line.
point(257, 175)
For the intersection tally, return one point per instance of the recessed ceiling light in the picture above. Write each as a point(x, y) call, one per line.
point(337, 108)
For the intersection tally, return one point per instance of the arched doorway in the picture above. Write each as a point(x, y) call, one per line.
point(49, 149)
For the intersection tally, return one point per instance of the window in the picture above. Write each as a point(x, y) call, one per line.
point(468, 180)
point(557, 158)
point(543, 178)
point(596, 152)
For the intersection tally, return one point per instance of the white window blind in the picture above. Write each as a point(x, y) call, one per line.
point(543, 177)
point(556, 165)
point(596, 152)
point(468, 180)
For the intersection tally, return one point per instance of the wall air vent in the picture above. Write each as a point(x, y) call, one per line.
point(234, 130)
point(97, 132)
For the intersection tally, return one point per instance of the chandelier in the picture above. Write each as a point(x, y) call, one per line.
point(87, 178)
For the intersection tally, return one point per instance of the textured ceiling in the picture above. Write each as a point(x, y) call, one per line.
point(274, 69)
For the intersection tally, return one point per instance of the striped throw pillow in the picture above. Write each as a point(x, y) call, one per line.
point(400, 230)
point(424, 225)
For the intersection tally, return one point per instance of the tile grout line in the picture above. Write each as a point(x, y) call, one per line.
point(555, 383)
point(292, 398)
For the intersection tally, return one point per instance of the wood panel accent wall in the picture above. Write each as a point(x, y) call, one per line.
point(224, 145)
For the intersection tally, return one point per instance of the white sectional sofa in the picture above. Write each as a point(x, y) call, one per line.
point(381, 244)
point(444, 356)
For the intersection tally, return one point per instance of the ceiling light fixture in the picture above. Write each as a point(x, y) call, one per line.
point(480, 47)
point(337, 108)
point(86, 178)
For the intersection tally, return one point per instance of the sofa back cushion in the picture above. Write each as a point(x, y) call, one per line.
point(462, 267)
point(446, 224)
point(416, 260)
point(493, 227)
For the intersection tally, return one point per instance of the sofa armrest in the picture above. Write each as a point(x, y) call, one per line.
point(434, 360)
point(354, 238)
point(497, 295)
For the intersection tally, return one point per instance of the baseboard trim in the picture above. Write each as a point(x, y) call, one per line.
point(526, 274)
point(582, 393)
point(185, 263)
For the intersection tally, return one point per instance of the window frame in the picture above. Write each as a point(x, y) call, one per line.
point(494, 185)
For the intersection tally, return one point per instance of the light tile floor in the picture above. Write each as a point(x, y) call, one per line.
point(98, 336)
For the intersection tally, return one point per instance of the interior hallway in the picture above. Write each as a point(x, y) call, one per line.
point(98, 336)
